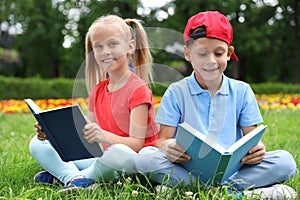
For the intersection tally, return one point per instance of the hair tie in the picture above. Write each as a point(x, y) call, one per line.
point(128, 21)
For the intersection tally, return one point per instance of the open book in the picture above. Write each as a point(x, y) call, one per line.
point(63, 128)
point(210, 161)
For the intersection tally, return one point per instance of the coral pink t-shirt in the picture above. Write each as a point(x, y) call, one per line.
point(112, 109)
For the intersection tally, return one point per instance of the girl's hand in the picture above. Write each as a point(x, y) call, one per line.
point(39, 133)
point(175, 153)
point(255, 155)
point(93, 133)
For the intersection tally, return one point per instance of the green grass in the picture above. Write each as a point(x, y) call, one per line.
point(18, 168)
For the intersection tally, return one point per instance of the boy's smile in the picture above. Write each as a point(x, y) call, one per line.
point(208, 57)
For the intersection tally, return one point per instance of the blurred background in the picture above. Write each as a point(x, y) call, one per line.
point(45, 38)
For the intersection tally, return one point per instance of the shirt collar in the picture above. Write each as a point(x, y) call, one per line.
point(196, 89)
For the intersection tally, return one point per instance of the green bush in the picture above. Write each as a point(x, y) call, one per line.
point(35, 88)
point(274, 88)
point(38, 88)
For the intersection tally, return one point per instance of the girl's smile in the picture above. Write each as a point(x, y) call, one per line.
point(110, 47)
point(108, 62)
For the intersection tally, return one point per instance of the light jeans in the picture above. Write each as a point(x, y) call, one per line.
point(277, 166)
point(118, 159)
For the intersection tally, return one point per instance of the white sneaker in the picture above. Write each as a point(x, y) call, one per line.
point(275, 192)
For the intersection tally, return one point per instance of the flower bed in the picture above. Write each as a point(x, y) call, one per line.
point(265, 102)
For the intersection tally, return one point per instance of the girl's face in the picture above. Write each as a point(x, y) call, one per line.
point(111, 45)
point(209, 58)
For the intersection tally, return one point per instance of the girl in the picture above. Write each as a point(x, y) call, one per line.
point(120, 113)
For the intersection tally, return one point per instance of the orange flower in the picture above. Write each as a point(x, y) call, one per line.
point(265, 102)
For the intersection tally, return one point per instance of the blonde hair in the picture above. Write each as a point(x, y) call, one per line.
point(142, 59)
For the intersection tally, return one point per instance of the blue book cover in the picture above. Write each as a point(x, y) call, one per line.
point(63, 128)
point(209, 161)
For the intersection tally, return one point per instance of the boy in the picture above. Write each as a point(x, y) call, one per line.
point(224, 108)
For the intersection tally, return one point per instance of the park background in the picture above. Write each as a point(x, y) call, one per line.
point(42, 52)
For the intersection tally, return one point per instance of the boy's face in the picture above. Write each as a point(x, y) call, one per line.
point(209, 58)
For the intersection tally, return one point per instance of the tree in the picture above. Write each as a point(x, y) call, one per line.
point(40, 44)
point(266, 33)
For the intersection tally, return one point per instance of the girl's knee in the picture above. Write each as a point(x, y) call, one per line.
point(34, 146)
point(40, 148)
point(119, 157)
point(120, 148)
point(144, 156)
point(148, 149)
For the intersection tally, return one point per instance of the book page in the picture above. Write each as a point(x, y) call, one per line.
point(59, 108)
point(32, 106)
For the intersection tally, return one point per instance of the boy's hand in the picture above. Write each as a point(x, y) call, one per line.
point(175, 152)
point(255, 155)
point(39, 133)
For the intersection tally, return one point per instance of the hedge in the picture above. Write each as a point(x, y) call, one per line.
point(38, 88)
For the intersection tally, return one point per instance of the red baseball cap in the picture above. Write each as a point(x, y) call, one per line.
point(216, 25)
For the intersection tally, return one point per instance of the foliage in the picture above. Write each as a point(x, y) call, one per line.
point(38, 88)
point(9, 56)
point(18, 88)
point(59, 88)
point(274, 88)
point(18, 167)
point(266, 33)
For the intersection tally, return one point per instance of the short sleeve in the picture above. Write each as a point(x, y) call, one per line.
point(250, 113)
point(141, 95)
point(169, 111)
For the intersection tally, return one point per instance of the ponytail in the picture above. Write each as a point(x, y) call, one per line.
point(142, 56)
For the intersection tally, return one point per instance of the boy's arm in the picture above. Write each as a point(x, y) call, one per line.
point(256, 154)
point(166, 142)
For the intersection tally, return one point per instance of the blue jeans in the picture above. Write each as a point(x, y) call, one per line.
point(277, 166)
point(118, 159)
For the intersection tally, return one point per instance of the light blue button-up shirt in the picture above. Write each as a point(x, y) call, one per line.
point(221, 116)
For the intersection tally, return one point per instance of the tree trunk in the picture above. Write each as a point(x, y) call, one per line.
point(297, 44)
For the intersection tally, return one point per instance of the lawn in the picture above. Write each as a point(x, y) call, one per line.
point(18, 168)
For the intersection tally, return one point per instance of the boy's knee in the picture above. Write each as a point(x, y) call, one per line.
point(286, 165)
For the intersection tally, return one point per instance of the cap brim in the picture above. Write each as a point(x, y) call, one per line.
point(234, 57)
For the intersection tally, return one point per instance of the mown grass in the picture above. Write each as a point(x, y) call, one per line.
point(17, 168)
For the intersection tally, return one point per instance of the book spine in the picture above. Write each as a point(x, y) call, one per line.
point(223, 163)
point(48, 133)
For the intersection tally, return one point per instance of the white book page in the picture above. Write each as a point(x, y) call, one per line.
point(34, 108)
point(59, 108)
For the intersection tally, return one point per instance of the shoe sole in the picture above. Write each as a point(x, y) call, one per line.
point(76, 189)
